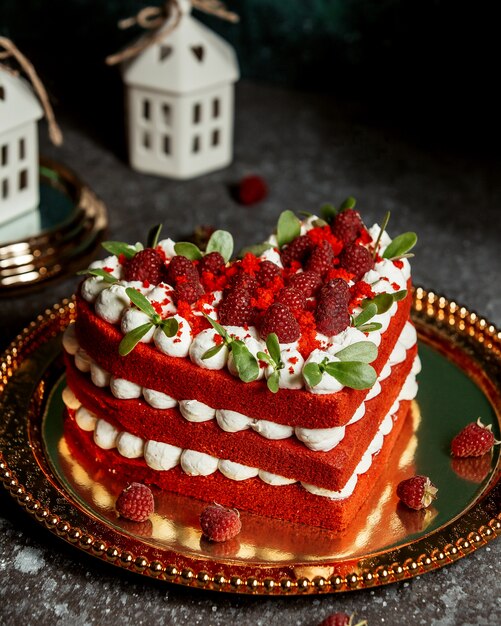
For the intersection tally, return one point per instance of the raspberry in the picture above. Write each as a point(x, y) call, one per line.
point(472, 468)
point(474, 440)
point(219, 523)
point(357, 260)
point(135, 502)
point(188, 292)
point(145, 265)
point(267, 272)
point(293, 298)
point(338, 288)
point(251, 189)
point(332, 314)
point(278, 319)
point(347, 226)
point(297, 250)
point(236, 308)
point(417, 492)
point(179, 267)
point(307, 282)
point(241, 280)
point(321, 259)
point(212, 262)
point(341, 619)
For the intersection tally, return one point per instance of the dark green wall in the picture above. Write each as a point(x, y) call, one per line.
point(428, 64)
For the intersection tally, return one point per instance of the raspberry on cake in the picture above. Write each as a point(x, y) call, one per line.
point(276, 383)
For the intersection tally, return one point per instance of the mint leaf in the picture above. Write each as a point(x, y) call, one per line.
point(106, 276)
point(262, 356)
point(368, 313)
point(208, 354)
point(140, 301)
point(272, 382)
point(189, 250)
point(220, 330)
point(383, 302)
point(312, 374)
point(118, 247)
point(274, 349)
point(221, 241)
point(256, 250)
point(132, 338)
point(363, 351)
point(170, 326)
point(369, 328)
point(288, 228)
point(245, 362)
point(400, 246)
point(153, 236)
point(349, 203)
point(352, 374)
point(328, 212)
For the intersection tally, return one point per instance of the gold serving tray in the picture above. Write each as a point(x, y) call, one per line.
point(461, 379)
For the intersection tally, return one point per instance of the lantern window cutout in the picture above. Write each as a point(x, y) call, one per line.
point(20, 111)
point(180, 101)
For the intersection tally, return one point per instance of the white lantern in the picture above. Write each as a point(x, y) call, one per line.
point(19, 112)
point(180, 100)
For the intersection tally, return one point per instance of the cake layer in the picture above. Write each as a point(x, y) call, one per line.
point(287, 457)
point(288, 502)
point(181, 379)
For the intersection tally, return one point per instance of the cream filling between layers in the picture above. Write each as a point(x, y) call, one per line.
point(316, 439)
point(161, 456)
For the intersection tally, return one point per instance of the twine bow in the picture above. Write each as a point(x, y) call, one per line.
point(10, 50)
point(153, 18)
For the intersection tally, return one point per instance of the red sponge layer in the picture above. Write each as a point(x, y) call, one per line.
point(290, 502)
point(286, 457)
point(181, 379)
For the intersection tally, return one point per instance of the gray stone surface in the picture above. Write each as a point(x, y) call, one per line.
point(310, 149)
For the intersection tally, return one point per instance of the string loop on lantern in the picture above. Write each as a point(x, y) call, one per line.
point(153, 18)
point(10, 50)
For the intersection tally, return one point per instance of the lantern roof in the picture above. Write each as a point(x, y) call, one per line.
point(190, 58)
point(18, 103)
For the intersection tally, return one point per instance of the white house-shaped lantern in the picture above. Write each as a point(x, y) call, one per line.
point(19, 112)
point(180, 101)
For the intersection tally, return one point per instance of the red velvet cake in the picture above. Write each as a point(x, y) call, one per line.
point(277, 383)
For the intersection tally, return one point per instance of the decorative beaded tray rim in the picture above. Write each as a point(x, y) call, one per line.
point(464, 338)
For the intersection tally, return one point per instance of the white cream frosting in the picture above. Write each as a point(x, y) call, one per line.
point(161, 456)
point(70, 341)
point(124, 389)
point(132, 319)
point(100, 377)
point(105, 435)
point(198, 463)
point(195, 411)
point(327, 384)
point(158, 400)
point(291, 375)
point(167, 245)
point(232, 421)
point(70, 399)
point(82, 360)
point(179, 344)
point(161, 296)
point(85, 419)
point(130, 446)
point(111, 303)
point(236, 471)
point(254, 346)
point(204, 341)
point(271, 430)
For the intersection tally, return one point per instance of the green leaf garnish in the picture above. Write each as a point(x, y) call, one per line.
point(352, 374)
point(262, 356)
point(221, 241)
point(219, 329)
point(305, 213)
point(382, 228)
point(140, 301)
point(367, 314)
point(153, 236)
point(362, 351)
point(106, 276)
point(245, 362)
point(320, 223)
point(208, 354)
point(170, 326)
point(189, 250)
point(132, 338)
point(274, 349)
point(256, 250)
point(272, 382)
point(288, 228)
point(400, 246)
point(328, 212)
point(399, 295)
point(370, 327)
point(383, 302)
point(349, 203)
point(312, 374)
point(119, 247)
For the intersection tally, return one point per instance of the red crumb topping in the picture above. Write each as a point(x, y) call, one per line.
point(197, 322)
point(108, 269)
point(293, 360)
point(395, 286)
point(218, 340)
point(250, 264)
point(122, 259)
point(360, 291)
point(398, 263)
point(364, 237)
point(339, 273)
point(146, 284)
point(213, 282)
point(308, 341)
point(324, 233)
